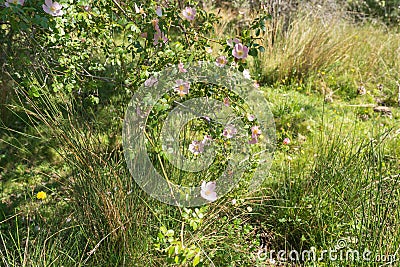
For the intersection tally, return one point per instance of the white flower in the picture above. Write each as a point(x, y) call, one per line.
point(208, 191)
point(246, 74)
point(139, 10)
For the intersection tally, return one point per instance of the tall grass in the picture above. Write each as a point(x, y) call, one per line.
point(336, 45)
point(348, 190)
point(24, 245)
point(114, 213)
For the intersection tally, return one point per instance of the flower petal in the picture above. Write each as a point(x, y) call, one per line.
point(48, 3)
point(159, 11)
point(46, 9)
point(57, 5)
point(203, 186)
point(59, 13)
point(211, 186)
point(212, 197)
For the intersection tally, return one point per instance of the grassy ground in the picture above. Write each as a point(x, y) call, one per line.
point(336, 181)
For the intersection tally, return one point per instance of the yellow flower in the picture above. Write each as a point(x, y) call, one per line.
point(41, 195)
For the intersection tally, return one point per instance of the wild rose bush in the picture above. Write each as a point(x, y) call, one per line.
point(83, 46)
point(94, 51)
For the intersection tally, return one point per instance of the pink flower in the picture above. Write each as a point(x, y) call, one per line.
point(240, 51)
point(231, 41)
point(155, 24)
point(256, 85)
point(158, 35)
point(196, 147)
point(189, 13)
point(254, 140)
point(52, 8)
point(221, 61)
point(208, 191)
point(251, 117)
point(229, 131)
point(206, 118)
point(226, 102)
point(286, 141)
point(159, 11)
point(181, 67)
point(152, 81)
point(87, 8)
point(255, 131)
point(182, 87)
point(207, 139)
point(15, 2)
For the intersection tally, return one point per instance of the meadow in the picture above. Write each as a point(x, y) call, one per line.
point(71, 72)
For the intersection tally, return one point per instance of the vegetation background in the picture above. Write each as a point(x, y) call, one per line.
point(329, 69)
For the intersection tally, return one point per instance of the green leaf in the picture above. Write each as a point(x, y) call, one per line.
point(196, 260)
point(132, 27)
point(282, 220)
point(171, 251)
point(170, 233)
point(193, 224)
point(163, 229)
point(34, 92)
point(253, 52)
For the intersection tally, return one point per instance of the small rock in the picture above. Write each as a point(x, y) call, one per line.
point(364, 117)
point(302, 138)
point(328, 99)
point(384, 110)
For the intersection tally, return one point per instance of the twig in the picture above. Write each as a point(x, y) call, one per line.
point(362, 105)
point(120, 8)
